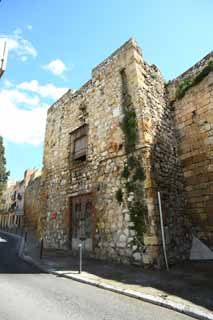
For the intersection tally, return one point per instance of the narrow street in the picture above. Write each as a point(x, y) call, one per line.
point(25, 293)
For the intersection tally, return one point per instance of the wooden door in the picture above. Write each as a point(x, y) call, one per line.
point(82, 222)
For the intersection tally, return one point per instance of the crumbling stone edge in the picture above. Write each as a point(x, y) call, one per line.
point(195, 312)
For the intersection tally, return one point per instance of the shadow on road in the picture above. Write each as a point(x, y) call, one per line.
point(9, 259)
point(192, 281)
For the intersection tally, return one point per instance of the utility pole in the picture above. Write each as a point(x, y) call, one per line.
point(3, 57)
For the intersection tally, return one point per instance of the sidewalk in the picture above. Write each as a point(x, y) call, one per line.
point(187, 288)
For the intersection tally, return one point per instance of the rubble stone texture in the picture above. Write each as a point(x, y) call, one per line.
point(33, 203)
point(193, 116)
point(166, 132)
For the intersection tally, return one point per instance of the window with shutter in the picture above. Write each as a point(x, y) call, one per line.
point(79, 144)
point(80, 147)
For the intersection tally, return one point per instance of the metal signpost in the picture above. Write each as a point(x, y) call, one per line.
point(41, 248)
point(80, 257)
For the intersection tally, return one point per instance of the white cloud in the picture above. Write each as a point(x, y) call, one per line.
point(8, 84)
point(57, 67)
point(23, 110)
point(23, 58)
point(17, 31)
point(21, 126)
point(11, 43)
point(29, 27)
point(18, 97)
point(46, 91)
point(20, 46)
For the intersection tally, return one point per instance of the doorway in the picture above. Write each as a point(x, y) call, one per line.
point(82, 222)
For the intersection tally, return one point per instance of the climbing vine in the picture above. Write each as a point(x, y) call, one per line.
point(190, 82)
point(132, 176)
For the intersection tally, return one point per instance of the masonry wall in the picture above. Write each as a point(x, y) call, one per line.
point(164, 173)
point(193, 116)
point(99, 105)
point(33, 204)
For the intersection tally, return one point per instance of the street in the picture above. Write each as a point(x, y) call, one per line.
point(25, 293)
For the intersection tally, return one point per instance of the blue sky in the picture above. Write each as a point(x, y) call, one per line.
point(53, 45)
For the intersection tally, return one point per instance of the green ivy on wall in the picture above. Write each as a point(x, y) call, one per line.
point(132, 176)
point(190, 82)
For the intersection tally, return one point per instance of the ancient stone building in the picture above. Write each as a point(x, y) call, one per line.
point(33, 203)
point(109, 148)
point(193, 117)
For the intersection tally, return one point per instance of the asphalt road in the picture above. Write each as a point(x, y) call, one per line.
point(25, 293)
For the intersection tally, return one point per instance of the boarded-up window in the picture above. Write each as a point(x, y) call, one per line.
point(80, 147)
point(79, 144)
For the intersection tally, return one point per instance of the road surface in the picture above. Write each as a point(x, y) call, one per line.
point(27, 294)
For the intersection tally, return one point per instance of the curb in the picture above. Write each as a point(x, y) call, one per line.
point(197, 313)
point(192, 311)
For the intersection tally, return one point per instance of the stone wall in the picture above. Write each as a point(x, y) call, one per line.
point(164, 173)
point(193, 116)
point(98, 104)
point(33, 204)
